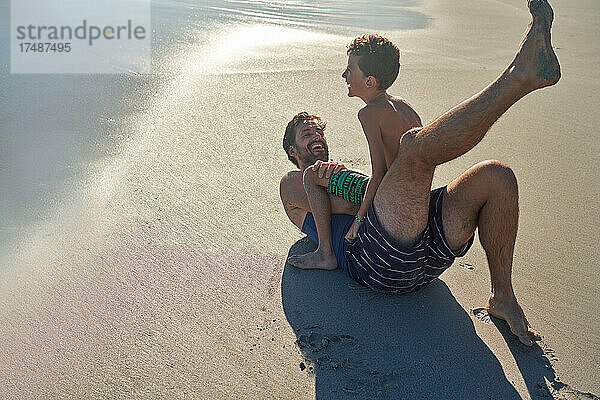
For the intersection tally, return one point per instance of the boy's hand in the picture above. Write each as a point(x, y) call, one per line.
point(353, 231)
point(326, 169)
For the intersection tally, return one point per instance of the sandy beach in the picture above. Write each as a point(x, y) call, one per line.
point(143, 242)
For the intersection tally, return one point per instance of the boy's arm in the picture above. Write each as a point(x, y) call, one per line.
point(369, 119)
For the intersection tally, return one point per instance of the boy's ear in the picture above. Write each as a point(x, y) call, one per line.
point(371, 82)
point(292, 151)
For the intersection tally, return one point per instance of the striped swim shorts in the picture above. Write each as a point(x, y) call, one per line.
point(377, 261)
point(349, 185)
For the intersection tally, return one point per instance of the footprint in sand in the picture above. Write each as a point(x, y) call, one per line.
point(466, 265)
point(481, 314)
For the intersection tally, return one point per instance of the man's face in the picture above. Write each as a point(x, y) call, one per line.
point(310, 144)
point(354, 77)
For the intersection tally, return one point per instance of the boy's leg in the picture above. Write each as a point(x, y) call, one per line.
point(402, 199)
point(324, 256)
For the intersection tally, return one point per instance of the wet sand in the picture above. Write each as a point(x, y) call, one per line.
point(155, 266)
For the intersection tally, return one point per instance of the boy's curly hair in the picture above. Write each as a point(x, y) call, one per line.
point(289, 138)
point(379, 57)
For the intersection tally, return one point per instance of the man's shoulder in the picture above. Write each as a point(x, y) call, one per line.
point(291, 183)
point(291, 177)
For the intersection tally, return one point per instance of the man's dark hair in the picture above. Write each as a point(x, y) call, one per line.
point(378, 57)
point(289, 138)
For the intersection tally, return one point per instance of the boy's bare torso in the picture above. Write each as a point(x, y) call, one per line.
point(395, 117)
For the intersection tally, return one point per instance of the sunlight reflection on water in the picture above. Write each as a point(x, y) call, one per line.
point(328, 15)
point(222, 36)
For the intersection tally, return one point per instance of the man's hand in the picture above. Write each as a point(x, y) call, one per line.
point(353, 231)
point(328, 168)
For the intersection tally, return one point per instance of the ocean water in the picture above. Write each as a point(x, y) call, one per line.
point(224, 30)
point(55, 129)
point(328, 15)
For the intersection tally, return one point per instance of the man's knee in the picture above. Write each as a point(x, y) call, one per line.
point(408, 141)
point(410, 148)
point(500, 175)
point(311, 178)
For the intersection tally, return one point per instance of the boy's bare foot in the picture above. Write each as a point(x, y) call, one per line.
point(318, 259)
point(536, 62)
point(509, 310)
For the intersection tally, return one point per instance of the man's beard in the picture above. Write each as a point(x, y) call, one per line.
point(310, 158)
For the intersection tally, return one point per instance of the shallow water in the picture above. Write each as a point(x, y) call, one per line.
point(325, 15)
point(226, 31)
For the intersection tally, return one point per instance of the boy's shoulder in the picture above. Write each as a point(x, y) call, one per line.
point(407, 115)
point(393, 116)
point(393, 104)
point(400, 104)
point(370, 111)
point(370, 117)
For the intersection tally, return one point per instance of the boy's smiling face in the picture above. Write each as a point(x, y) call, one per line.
point(355, 78)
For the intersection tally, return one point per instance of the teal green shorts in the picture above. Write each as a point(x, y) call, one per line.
point(349, 185)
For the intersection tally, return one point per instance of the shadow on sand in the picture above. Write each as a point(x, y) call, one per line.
point(535, 365)
point(362, 344)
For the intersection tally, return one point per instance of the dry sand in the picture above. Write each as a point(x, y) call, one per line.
point(161, 272)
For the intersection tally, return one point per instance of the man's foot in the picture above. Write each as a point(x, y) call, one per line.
point(536, 61)
point(318, 259)
point(510, 311)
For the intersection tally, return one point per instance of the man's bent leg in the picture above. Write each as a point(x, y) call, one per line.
point(402, 198)
point(323, 257)
point(486, 197)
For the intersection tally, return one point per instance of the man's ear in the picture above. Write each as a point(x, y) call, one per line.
point(292, 151)
point(371, 82)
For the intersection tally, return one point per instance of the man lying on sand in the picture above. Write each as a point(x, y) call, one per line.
point(410, 234)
